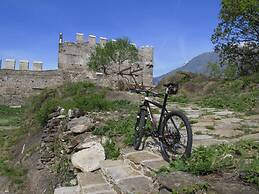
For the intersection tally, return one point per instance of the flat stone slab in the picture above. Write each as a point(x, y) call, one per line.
point(81, 124)
point(203, 124)
point(202, 137)
point(119, 172)
point(136, 185)
point(178, 180)
point(232, 188)
point(93, 182)
point(140, 156)
point(224, 113)
point(154, 165)
point(88, 159)
point(246, 137)
point(229, 133)
point(208, 142)
point(67, 190)
point(90, 178)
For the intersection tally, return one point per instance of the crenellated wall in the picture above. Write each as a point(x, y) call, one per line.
point(18, 84)
point(76, 55)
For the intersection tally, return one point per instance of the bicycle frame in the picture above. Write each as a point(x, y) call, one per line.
point(147, 103)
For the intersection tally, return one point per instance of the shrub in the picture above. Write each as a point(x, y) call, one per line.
point(83, 95)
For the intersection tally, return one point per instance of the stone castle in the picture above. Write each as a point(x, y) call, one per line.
point(73, 57)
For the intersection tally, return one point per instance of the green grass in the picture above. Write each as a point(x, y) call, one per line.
point(178, 99)
point(111, 150)
point(241, 158)
point(237, 102)
point(240, 95)
point(124, 128)
point(11, 118)
point(83, 95)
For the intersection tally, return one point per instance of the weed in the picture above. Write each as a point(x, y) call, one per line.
point(192, 189)
point(122, 128)
point(194, 121)
point(111, 150)
point(179, 99)
point(198, 133)
point(242, 157)
point(210, 127)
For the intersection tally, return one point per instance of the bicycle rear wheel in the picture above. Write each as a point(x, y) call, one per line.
point(139, 128)
point(176, 136)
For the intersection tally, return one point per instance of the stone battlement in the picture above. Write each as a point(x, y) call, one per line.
point(23, 65)
point(76, 55)
point(18, 84)
point(93, 40)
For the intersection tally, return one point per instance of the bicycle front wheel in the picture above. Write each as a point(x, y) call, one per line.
point(176, 136)
point(139, 128)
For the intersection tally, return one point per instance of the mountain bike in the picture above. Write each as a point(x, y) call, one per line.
point(172, 132)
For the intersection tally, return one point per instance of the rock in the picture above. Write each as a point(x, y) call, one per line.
point(62, 111)
point(89, 158)
point(233, 188)
point(53, 122)
point(75, 113)
point(67, 190)
point(61, 116)
point(126, 179)
point(54, 114)
point(140, 156)
point(139, 184)
point(94, 182)
point(81, 124)
point(73, 182)
point(178, 180)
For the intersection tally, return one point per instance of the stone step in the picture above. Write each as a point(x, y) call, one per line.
point(93, 183)
point(125, 179)
point(67, 190)
point(145, 161)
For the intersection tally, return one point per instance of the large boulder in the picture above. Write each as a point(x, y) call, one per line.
point(89, 158)
point(81, 124)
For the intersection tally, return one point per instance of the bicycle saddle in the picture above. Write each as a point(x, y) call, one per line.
point(172, 87)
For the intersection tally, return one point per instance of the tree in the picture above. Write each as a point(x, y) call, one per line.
point(236, 37)
point(214, 70)
point(230, 72)
point(113, 54)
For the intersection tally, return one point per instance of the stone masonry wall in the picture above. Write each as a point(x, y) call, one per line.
point(76, 55)
point(17, 85)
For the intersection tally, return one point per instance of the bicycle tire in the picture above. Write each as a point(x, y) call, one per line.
point(188, 149)
point(139, 129)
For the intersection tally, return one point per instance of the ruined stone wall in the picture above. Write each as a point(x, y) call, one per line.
point(16, 86)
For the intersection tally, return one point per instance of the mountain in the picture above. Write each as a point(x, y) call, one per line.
point(198, 64)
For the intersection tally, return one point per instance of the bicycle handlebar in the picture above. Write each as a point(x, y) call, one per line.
point(147, 92)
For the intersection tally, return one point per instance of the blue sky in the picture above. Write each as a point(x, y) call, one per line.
point(177, 29)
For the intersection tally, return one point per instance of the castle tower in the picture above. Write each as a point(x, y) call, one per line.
point(74, 56)
point(146, 62)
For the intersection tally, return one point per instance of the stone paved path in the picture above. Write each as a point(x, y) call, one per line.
point(214, 126)
point(134, 172)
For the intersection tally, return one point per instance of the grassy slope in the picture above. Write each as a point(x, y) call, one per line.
point(241, 158)
point(10, 134)
point(239, 95)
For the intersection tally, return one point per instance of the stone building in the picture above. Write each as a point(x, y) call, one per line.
point(73, 57)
